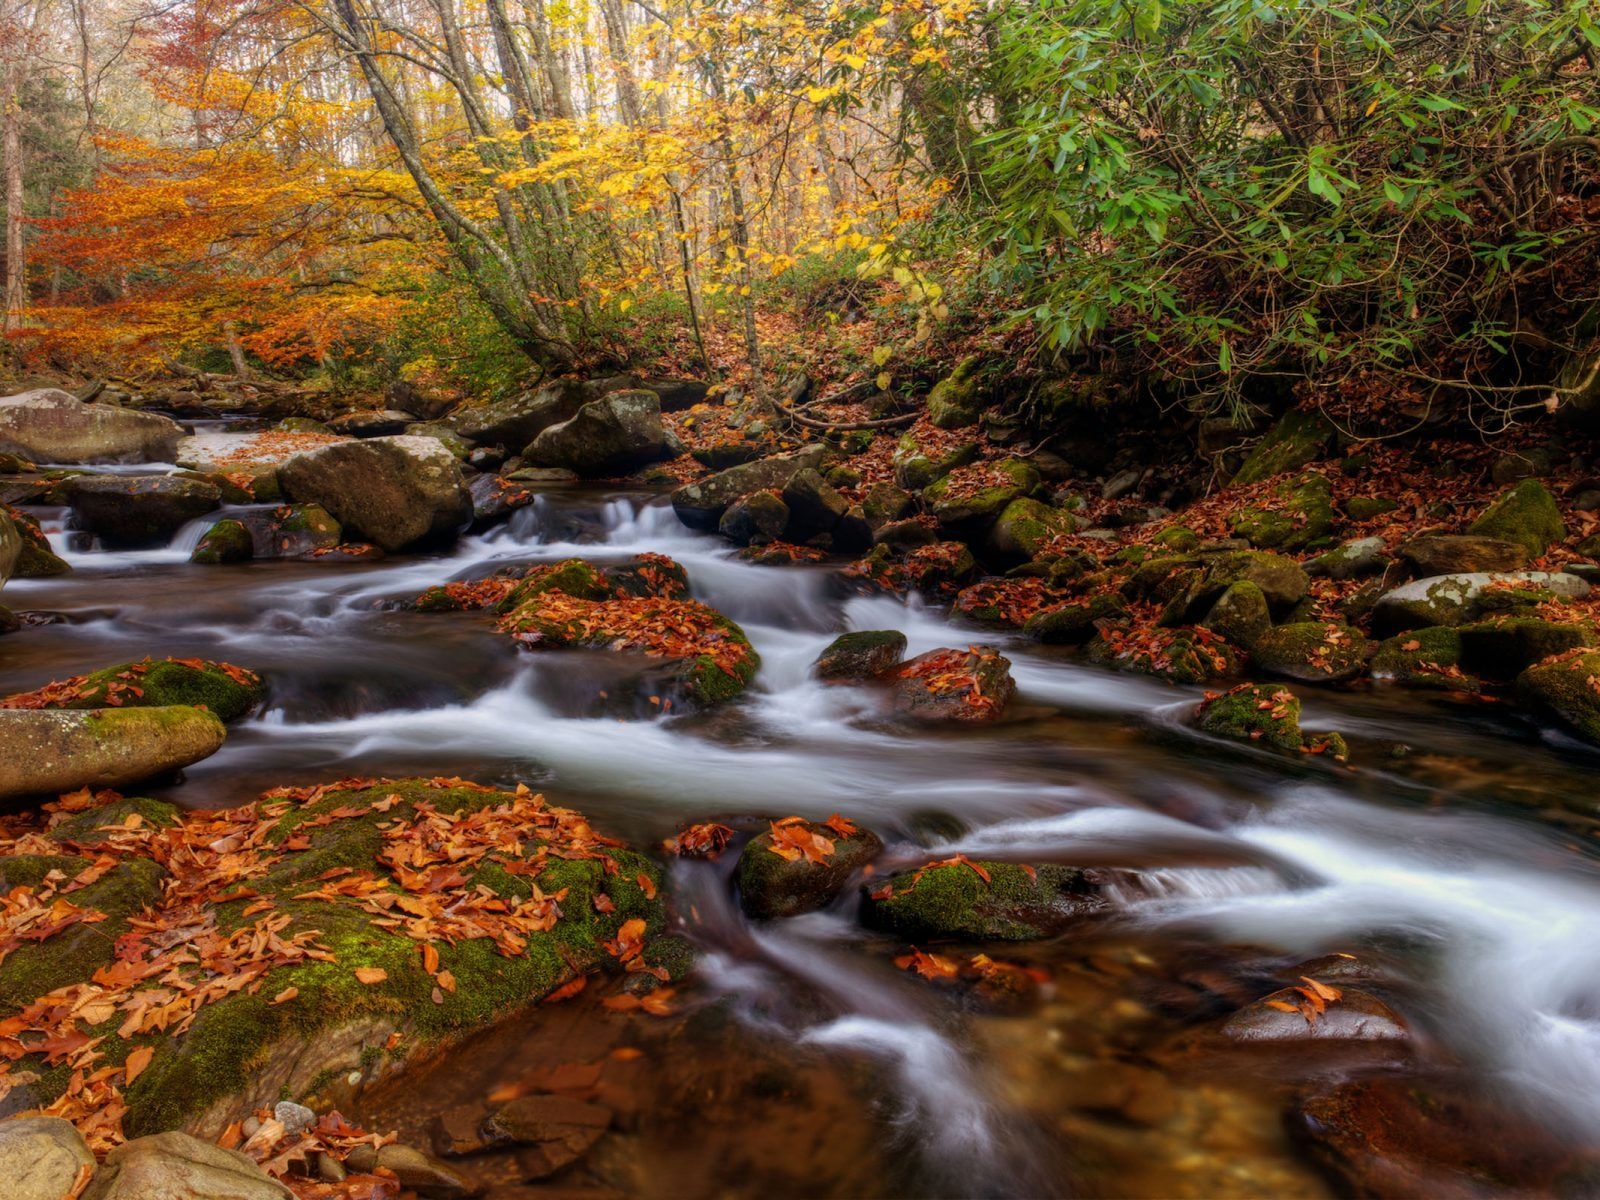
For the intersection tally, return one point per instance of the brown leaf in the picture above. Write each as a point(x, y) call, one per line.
point(371, 975)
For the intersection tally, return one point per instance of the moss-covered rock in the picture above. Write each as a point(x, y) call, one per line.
point(1025, 526)
point(777, 878)
point(50, 751)
point(1297, 439)
point(970, 686)
point(1182, 655)
point(1240, 614)
point(1300, 516)
point(1526, 514)
point(1252, 712)
point(1504, 647)
point(982, 901)
point(938, 567)
point(96, 828)
point(978, 494)
point(225, 542)
point(1355, 558)
point(1076, 623)
point(917, 465)
point(1425, 658)
point(1366, 508)
point(35, 559)
point(1439, 554)
point(1565, 687)
point(1457, 599)
point(1313, 652)
point(1280, 578)
point(886, 503)
point(755, 519)
point(1180, 539)
point(228, 691)
point(859, 656)
point(956, 400)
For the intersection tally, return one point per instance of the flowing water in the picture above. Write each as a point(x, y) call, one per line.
point(1455, 859)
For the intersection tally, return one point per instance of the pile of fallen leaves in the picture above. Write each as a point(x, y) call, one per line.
point(1315, 998)
point(669, 629)
point(1152, 648)
point(1006, 601)
point(793, 838)
point(939, 567)
point(466, 596)
point(954, 673)
point(120, 688)
point(174, 960)
point(272, 445)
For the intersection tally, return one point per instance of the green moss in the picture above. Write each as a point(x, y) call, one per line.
point(1365, 508)
point(1299, 438)
point(861, 655)
point(164, 683)
point(1313, 651)
point(1183, 656)
point(1503, 648)
point(1564, 689)
point(1301, 516)
point(1240, 715)
point(1179, 539)
point(86, 829)
point(574, 577)
point(1240, 614)
point(29, 870)
point(1013, 904)
point(225, 542)
point(771, 886)
point(1526, 514)
point(955, 400)
point(1427, 658)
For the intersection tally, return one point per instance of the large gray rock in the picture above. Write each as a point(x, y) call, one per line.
point(514, 421)
point(701, 505)
point(42, 1158)
point(51, 750)
point(52, 426)
point(177, 1166)
point(395, 492)
point(613, 435)
point(1456, 599)
point(139, 510)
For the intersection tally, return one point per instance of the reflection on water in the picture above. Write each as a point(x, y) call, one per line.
point(1457, 853)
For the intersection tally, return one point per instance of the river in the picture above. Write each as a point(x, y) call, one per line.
point(1455, 859)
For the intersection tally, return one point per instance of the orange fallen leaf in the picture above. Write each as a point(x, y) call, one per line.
point(138, 1059)
point(371, 975)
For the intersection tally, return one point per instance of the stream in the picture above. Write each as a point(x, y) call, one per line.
point(1455, 859)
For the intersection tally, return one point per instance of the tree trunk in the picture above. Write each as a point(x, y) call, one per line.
point(16, 282)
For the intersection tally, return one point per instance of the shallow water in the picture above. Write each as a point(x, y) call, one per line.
point(1455, 859)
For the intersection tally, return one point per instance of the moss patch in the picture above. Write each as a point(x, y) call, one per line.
point(227, 691)
point(982, 901)
point(1526, 514)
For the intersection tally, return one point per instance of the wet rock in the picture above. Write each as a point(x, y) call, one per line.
point(857, 657)
point(1240, 614)
point(293, 1117)
point(543, 476)
point(1312, 652)
point(1503, 648)
point(52, 426)
point(43, 1158)
point(956, 400)
point(372, 423)
point(1361, 556)
point(1444, 555)
point(36, 560)
point(982, 900)
point(290, 531)
point(406, 397)
point(226, 690)
point(398, 493)
point(10, 548)
point(755, 519)
point(139, 510)
point(441, 433)
point(1299, 516)
point(1526, 514)
point(421, 1173)
point(1457, 599)
point(1298, 439)
point(1182, 655)
point(970, 686)
point(774, 885)
point(900, 536)
point(560, 1129)
point(225, 542)
point(176, 1166)
point(494, 498)
point(1280, 578)
point(1417, 1137)
point(1562, 687)
point(1026, 526)
point(886, 503)
point(1355, 1017)
point(814, 507)
point(1077, 623)
point(1269, 716)
point(58, 751)
point(613, 435)
point(514, 421)
point(701, 505)
point(1428, 658)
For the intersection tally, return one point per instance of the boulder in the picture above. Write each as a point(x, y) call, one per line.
point(754, 519)
point(956, 400)
point(1181, 655)
point(968, 686)
point(981, 900)
point(1280, 578)
point(417, 1172)
point(371, 424)
point(1025, 526)
point(226, 690)
point(36, 560)
point(1367, 508)
point(10, 548)
point(618, 433)
point(1354, 1017)
point(1267, 716)
point(286, 532)
point(1240, 614)
point(495, 498)
point(972, 497)
point(441, 433)
point(1457, 599)
point(139, 510)
point(1428, 658)
point(677, 394)
point(799, 866)
point(225, 542)
point(1436, 554)
point(43, 1158)
point(52, 751)
point(52, 426)
point(814, 507)
point(398, 493)
point(423, 406)
point(1563, 687)
point(916, 464)
point(1297, 440)
point(1312, 652)
point(1077, 623)
point(514, 421)
point(1301, 515)
point(701, 505)
point(1503, 647)
point(176, 1166)
point(1360, 556)
point(857, 657)
point(1526, 514)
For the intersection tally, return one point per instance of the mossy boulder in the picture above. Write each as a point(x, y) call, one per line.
point(1297, 439)
point(1282, 580)
point(1504, 647)
point(1367, 508)
point(1566, 687)
point(815, 508)
point(1424, 658)
point(1241, 614)
point(1457, 599)
point(10, 548)
point(1441, 554)
point(886, 503)
point(139, 510)
point(918, 464)
point(1255, 713)
point(1313, 652)
point(1182, 655)
point(1180, 539)
point(225, 542)
point(755, 519)
point(957, 400)
point(777, 878)
point(35, 559)
point(1526, 514)
point(982, 901)
point(935, 567)
point(398, 493)
point(971, 686)
point(1025, 526)
point(1351, 560)
point(1300, 515)
point(49, 752)
point(226, 690)
point(1076, 623)
point(974, 496)
point(857, 657)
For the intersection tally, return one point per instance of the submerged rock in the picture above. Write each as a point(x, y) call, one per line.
point(968, 686)
point(52, 751)
point(52, 426)
point(857, 657)
point(799, 866)
point(398, 493)
point(982, 900)
point(1285, 1016)
point(139, 510)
